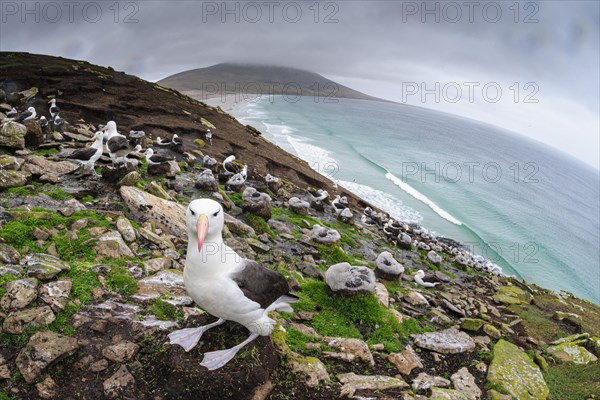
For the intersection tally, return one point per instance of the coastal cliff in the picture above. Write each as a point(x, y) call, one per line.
point(91, 284)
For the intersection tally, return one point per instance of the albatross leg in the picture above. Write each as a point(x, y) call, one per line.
point(216, 359)
point(188, 338)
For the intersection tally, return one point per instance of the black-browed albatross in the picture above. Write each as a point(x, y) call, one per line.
point(54, 110)
point(230, 167)
point(26, 115)
point(89, 155)
point(225, 284)
point(152, 158)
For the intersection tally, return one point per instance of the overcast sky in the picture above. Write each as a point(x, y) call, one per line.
point(542, 56)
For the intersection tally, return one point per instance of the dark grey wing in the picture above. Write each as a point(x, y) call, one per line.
point(231, 167)
point(161, 157)
point(84, 154)
point(261, 284)
point(117, 143)
point(23, 115)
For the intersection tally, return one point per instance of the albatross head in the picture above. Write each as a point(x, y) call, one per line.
point(205, 219)
point(111, 127)
point(98, 136)
point(420, 274)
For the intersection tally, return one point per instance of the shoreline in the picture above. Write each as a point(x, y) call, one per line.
point(227, 103)
point(506, 268)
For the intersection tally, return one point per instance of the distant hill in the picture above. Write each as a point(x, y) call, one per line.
point(246, 79)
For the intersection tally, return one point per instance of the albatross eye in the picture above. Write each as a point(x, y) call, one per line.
point(192, 211)
point(215, 214)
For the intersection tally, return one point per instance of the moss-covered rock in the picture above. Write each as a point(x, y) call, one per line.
point(571, 352)
point(353, 382)
point(207, 123)
point(471, 324)
point(446, 394)
point(10, 163)
point(157, 190)
point(512, 295)
point(577, 338)
point(10, 179)
point(45, 266)
point(492, 331)
point(12, 134)
point(541, 361)
point(130, 179)
point(512, 370)
point(8, 254)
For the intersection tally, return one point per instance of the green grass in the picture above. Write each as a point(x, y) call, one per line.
point(46, 152)
point(333, 254)
point(6, 396)
point(303, 221)
point(83, 280)
point(297, 341)
point(87, 199)
point(21, 191)
point(395, 288)
point(573, 382)
point(360, 317)
point(143, 168)
point(62, 322)
point(120, 281)
point(165, 311)
point(19, 233)
point(59, 195)
point(259, 224)
point(536, 322)
point(236, 198)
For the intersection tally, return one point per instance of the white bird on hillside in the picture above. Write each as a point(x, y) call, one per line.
point(110, 130)
point(319, 195)
point(152, 158)
point(161, 142)
point(88, 156)
point(176, 140)
point(26, 115)
point(12, 113)
point(225, 284)
point(230, 167)
point(120, 147)
point(239, 178)
point(53, 108)
point(419, 279)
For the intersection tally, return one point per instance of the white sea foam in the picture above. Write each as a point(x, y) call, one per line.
point(384, 201)
point(317, 158)
point(421, 197)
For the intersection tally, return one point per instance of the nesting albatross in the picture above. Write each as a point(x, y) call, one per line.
point(419, 279)
point(226, 285)
point(118, 145)
point(88, 156)
point(26, 115)
point(152, 158)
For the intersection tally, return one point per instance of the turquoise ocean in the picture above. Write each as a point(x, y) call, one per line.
point(525, 206)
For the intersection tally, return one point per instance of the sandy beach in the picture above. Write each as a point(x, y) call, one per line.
point(228, 102)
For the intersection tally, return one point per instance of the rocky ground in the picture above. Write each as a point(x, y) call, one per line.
point(91, 284)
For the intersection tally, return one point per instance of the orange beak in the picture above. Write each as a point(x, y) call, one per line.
point(202, 229)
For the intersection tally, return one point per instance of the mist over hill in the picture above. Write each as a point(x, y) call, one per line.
point(246, 80)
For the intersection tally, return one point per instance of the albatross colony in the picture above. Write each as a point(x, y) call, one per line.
point(226, 285)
